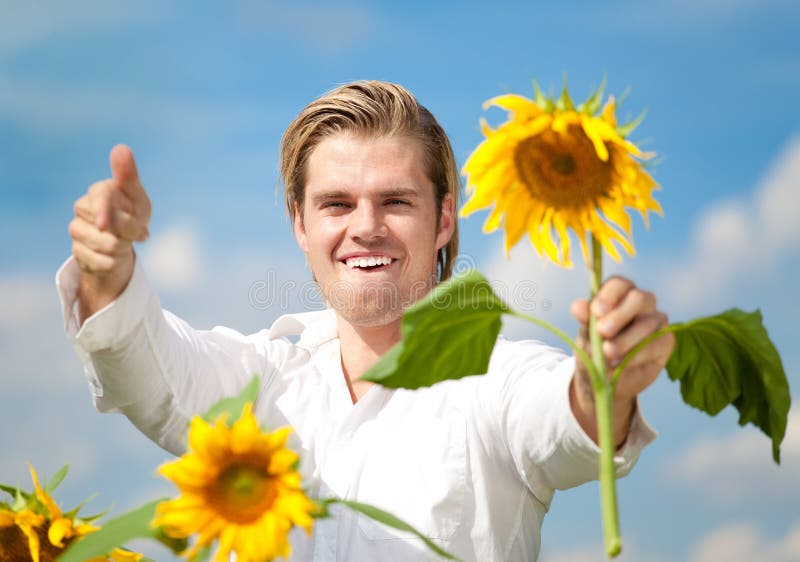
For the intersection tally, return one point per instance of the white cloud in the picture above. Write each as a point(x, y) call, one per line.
point(729, 542)
point(742, 542)
point(173, 258)
point(745, 238)
point(724, 469)
point(24, 300)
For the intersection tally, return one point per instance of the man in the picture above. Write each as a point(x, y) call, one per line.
point(371, 187)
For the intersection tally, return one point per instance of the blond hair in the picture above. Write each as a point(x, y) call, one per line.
point(372, 108)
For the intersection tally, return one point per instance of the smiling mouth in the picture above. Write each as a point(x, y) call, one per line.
point(369, 263)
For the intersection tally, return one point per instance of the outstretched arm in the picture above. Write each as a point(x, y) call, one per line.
point(626, 315)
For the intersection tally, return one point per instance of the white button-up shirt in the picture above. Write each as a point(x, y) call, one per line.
point(472, 464)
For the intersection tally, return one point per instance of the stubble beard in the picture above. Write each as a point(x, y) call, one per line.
point(373, 304)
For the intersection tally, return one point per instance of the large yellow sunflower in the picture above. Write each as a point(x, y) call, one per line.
point(553, 167)
point(238, 485)
point(35, 529)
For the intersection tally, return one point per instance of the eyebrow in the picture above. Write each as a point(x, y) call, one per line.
point(340, 194)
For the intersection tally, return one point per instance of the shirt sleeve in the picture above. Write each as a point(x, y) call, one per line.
point(546, 444)
point(152, 366)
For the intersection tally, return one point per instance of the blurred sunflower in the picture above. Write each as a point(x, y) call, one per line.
point(553, 167)
point(35, 529)
point(238, 485)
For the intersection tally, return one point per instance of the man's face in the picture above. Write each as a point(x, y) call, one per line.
point(369, 226)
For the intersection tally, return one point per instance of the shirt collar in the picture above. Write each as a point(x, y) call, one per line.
point(314, 328)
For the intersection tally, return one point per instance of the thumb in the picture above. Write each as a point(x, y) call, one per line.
point(123, 166)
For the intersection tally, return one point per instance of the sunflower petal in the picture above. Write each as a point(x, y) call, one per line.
point(520, 106)
point(493, 185)
point(485, 128)
point(546, 232)
point(516, 221)
point(44, 497)
point(59, 529)
point(561, 229)
point(27, 521)
point(590, 128)
point(245, 433)
point(608, 114)
point(120, 555)
point(616, 215)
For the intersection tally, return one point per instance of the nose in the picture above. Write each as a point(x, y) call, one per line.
point(367, 222)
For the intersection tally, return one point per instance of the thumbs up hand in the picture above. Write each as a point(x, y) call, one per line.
point(112, 215)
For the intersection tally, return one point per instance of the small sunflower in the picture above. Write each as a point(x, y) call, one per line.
point(35, 529)
point(238, 485)
point(553, 167)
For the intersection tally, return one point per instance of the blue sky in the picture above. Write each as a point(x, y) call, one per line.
point(202, 94)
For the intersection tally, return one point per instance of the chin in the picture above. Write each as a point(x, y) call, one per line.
point(369, 316)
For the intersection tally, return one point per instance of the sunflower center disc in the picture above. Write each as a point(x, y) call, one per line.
point(562, 170)
point(564, 164)
point(242, 493)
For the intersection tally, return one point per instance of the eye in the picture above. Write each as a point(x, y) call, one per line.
point(334, 205)
point(395, 202)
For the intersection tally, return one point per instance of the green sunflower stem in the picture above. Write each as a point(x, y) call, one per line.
point(604, 409)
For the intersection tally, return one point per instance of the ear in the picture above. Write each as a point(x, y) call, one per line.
point(446, 222)
point(300, 230)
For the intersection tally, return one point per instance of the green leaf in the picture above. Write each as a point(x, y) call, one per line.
point(203, 555)
point(592, 104)
point(21, 500)
point(57, 478)
point(14, 491)
point(627, 128)
point(72, 513)
point(175, 545)
point(449, 334)
point(388, 519)
point(729, 359)
point(233, 405)
point(564, 102)
point(132, 525)
point(538, 96)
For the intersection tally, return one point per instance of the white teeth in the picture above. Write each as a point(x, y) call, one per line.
point(368, 262)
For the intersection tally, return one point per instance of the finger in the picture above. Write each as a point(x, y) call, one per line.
point(633, 304)
point(610, 294)
point(126, 174)
point(645, 324)
point(83, 209)
point(645, 367)
point(128, 227)
point(97, 203)
point(105, 201)
point(580, 310)
point(123, 165)
point(655, 355)
point(90, 260)
point(100, 241)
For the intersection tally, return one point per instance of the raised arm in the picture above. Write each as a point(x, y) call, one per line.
point(112, 215)
point(139, 359)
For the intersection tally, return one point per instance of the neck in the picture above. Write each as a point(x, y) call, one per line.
point(361, 347)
